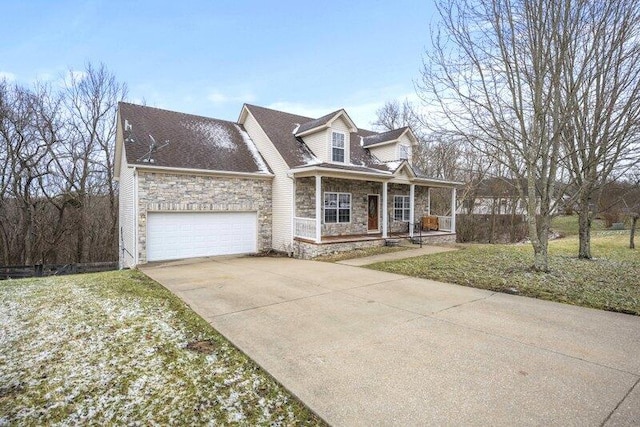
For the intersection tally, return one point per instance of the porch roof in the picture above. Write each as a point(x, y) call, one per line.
point(364, 173)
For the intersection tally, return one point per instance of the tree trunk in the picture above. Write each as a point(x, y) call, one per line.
point(632, 234)
point(539, 240)
point(584, 231)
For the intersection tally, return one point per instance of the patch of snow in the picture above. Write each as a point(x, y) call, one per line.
point(211, 134)
point(361, 141)
point(96, 356)
point(310, 159)
point(262, 166)
point(295, 130)
point(394, 165)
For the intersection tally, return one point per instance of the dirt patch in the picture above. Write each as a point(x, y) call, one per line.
point(203, 346)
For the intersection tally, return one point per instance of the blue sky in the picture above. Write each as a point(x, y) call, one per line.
point(209, 57)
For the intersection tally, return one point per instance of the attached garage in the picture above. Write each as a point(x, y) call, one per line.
point(176, 235)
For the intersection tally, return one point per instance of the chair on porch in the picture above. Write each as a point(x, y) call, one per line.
point(430, 223)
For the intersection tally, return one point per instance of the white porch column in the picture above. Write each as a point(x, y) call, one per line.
point(318, 208)
point(293, 209)
point(412, 191)
point(429, 201)
point(385, 214)
point(453, 210)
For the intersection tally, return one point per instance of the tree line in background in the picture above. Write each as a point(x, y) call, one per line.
point(544, 93)
point(58, 199)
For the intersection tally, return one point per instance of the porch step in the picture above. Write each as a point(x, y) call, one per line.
point(392, 242)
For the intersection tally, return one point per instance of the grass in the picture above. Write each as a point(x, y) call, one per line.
point(568, 225)
point(611, 281)
point(118, 348)
point(361, 253)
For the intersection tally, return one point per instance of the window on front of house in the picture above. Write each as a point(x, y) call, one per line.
point(404, 152)
point(337, 147)
point(337, 207)
point(401, 208)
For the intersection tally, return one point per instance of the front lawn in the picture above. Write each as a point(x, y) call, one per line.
point(119, 349)
point(611, 281)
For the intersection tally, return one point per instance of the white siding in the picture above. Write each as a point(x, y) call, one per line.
point(126, 235)
point(386, 153)
point(282, 186)
point(319, 144)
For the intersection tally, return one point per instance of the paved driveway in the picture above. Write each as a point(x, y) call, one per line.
point(362, 347)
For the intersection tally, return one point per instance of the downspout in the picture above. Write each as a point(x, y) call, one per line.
point(293, 212)
point(135, 216)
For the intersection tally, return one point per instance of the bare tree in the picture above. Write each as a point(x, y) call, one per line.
point(58, 200)
point(602, 80)
point(495, 72)
point(92, 101)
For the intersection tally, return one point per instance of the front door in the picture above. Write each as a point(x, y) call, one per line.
point(373, 218)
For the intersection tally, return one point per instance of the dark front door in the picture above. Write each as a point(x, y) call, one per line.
point(372, 217)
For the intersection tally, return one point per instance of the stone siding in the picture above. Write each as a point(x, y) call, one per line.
point(420, 201)
point(163, 192)
point(307, 250)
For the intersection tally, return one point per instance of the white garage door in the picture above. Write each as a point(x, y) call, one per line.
point(175, 235)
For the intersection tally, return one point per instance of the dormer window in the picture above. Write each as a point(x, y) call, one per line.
point(403, 152)
point(337, 147)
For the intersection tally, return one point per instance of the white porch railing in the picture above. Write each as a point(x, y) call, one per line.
point(444, 223)
point(304, 227)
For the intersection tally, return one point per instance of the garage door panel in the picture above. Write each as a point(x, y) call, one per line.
point(175, 235)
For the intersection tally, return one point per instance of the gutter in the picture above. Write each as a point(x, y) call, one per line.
point(206, 172)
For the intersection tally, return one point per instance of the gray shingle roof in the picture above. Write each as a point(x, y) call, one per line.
point(383, 137)
point(312, 124)
point(279, 127)
point(195, 142)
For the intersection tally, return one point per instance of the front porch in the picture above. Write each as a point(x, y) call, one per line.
point(334, 214)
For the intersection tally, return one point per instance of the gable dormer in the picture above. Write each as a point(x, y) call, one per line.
point(329, 137)
point(397, 144)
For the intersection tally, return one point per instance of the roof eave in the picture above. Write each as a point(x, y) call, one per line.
point(191, 171)
point(378, 144)
point(312, 170)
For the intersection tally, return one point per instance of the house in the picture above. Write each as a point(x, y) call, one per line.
point(500, 196)
point(195, 186)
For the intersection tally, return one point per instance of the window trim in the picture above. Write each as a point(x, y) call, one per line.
point(404, 210)
point(337, 208)
point(343, 148)
point(400, 148)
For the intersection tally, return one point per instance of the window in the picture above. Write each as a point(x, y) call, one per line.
point(337, 207)
point(403, 152)
point(337, 147)
point(401, 208)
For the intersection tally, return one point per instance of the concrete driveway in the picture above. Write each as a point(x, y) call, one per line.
point(362, 347)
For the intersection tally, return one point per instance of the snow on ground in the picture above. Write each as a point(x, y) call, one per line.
point(84, 351)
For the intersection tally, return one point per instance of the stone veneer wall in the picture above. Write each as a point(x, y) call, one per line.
point(307, 250)
point(420, 202)
point(176, 192)
point(305, 203)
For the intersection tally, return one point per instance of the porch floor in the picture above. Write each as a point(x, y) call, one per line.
point(372, 236)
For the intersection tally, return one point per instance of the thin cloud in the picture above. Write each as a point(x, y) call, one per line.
point(217, 97)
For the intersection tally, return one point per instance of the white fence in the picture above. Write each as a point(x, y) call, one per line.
point(305, 227)
point(444, 223)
